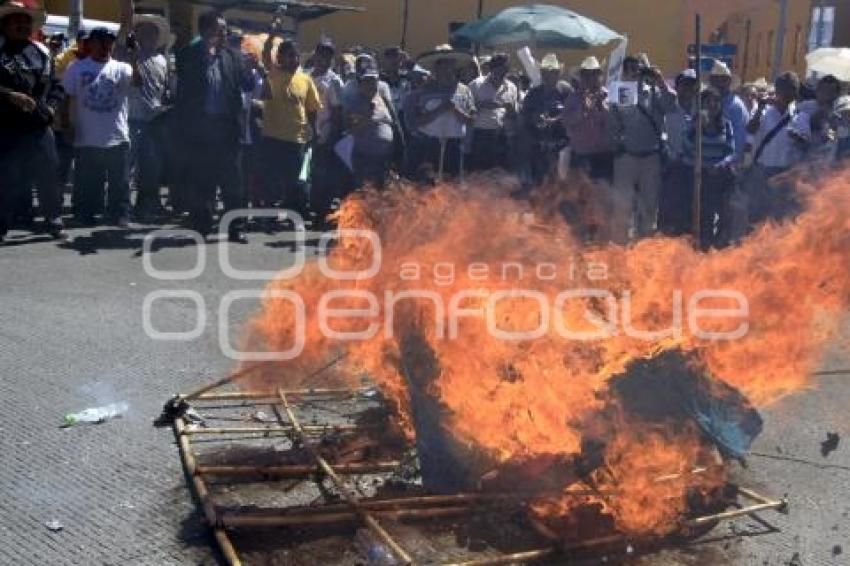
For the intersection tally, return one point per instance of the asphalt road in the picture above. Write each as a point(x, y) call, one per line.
point(72, 336)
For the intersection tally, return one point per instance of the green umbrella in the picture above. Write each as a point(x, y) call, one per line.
point(536, 25)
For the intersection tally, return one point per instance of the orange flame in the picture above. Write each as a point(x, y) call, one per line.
point(516, 400)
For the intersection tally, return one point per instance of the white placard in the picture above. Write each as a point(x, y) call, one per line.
point(623, 93)
point(529, 65)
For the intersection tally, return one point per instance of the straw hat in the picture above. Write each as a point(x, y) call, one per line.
point(159, 23)
point(29, 7)
point(550, 63)
point(721, 69)
point(590, 64)
point(445, 51)
point(761, 83)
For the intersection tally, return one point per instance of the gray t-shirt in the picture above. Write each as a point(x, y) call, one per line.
point(146, 99)
point(375, 135)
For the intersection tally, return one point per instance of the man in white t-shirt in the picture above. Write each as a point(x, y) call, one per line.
point(496, 99)
point(98, 89)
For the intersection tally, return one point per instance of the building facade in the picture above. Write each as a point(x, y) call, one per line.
point(661, 28)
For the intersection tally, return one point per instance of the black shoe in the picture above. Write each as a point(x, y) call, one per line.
point(122, 221)
point(55, 228)
point(237, 236)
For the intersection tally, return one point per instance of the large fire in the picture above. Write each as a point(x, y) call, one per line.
point(453, 248)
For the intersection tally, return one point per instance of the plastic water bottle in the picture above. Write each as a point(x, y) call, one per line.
point(96, 415)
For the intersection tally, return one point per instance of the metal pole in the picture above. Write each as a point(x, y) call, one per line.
point(75, 18)
point(748, 28)
point(480, 9)
point(405, 13)
point(780, 38)
point(698, 141)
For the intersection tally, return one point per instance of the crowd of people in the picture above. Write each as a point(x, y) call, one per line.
point(233, 121)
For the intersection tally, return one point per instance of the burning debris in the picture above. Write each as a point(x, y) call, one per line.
point(609, 385)
point(488, 402)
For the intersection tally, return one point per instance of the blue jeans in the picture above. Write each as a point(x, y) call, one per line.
point(146, 160)
point(97, 166)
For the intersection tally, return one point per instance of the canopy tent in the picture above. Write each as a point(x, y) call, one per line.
point(536, 25)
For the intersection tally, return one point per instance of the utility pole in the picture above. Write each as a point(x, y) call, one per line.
point(697, 204)
point(480, 9)
point(75, 18)
point(780, 38)
point(405, 13)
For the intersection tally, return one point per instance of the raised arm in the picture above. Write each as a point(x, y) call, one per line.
point(125, 21)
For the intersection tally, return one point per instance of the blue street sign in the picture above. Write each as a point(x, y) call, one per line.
point(716, 50)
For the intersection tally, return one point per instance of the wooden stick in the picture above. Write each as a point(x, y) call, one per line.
point(236, 520)
point(832, 372)
point(267, 429)
point(516, 558)
point(697, 192)
point(272, 396)
point(750, 494)
point(203, 495)
point(349, 497)
point(247, 370)
point(295, 470)
point(736, 513)
point(461, 499)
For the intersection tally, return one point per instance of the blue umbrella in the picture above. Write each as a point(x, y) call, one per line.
point(537, 25)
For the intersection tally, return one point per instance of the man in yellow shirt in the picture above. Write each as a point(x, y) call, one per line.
point(289, 118)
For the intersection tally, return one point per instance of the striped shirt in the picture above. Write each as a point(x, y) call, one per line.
point(715, 147)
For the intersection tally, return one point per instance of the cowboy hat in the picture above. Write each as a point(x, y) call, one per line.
point(590, 64)
point(30, 8)
point(550, 63)
point(160, 23)
point(429, 59)
point(721, 69)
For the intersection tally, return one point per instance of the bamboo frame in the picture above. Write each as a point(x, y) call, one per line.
point(368, 511)
point(203, 495)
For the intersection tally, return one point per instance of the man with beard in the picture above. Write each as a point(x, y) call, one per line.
point(29, 98)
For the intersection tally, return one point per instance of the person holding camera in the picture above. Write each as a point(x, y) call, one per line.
point(29, 99)
point(142, 49)
point(586, 120)
point(542, 120)
point(637, 133)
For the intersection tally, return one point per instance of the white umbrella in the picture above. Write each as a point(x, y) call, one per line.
point(830, 61)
